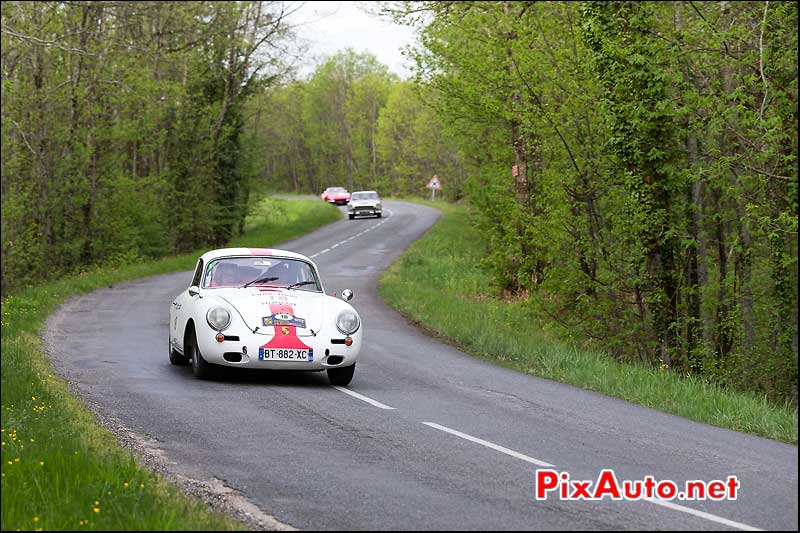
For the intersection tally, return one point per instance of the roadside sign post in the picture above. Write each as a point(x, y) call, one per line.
point(433, 185)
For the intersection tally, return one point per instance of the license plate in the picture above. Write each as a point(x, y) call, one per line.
point(285, 354)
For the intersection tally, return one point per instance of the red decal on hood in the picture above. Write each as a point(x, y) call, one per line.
point(289, 339)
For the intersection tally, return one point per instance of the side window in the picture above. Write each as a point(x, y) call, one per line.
point(198, 273)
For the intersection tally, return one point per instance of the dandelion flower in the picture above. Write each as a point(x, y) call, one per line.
point(96, 509)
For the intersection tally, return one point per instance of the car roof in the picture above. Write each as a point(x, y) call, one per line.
point(228, 252)
point(360, 192)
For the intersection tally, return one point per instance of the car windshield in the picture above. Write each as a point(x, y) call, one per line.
point(272, 271)
point(364, 196)
point(337, 189)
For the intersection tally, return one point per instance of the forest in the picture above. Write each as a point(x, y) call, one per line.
point(123, 128)
point(632, 165)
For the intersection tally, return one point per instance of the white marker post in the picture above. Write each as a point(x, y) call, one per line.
point(433, 185)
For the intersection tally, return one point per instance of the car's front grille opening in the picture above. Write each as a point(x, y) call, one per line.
point(337, 341)
point(231, 337)
point(232, 357)
point(334, 359)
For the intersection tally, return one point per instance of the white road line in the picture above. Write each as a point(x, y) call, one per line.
point(362, 398)
point(702, 514)
point(663, 503)
point(326, 250)
point(488, 444)
point(512, 453)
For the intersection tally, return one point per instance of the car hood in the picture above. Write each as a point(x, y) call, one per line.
point(268, 308)
point(363, 203)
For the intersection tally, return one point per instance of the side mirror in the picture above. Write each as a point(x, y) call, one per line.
point(347, 295)
point(194, 290)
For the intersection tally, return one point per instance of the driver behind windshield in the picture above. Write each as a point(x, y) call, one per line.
point(287, 273)
point(225, 275)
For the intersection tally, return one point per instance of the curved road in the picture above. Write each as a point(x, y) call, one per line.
point(436, 439)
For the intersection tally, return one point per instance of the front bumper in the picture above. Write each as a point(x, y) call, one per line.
point(365, 211)
point(326, 354)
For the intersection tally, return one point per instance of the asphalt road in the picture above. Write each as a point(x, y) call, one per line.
point(447, 441)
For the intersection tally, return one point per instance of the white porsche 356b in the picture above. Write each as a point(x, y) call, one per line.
point(263, 308)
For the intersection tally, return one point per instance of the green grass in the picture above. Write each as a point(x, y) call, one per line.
point(60, 469)
point(438, 282)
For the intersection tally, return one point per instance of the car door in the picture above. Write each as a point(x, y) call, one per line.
point(181, 307)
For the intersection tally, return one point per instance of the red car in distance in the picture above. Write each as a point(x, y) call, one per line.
point(336, 195)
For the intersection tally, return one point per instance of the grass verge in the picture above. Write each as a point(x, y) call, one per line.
point(438, 282)
point(60, 470)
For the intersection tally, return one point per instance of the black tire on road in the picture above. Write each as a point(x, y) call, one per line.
point(379, 215)
point(351, 217)
point(175, 358)
point(200, 367)
point(341, 376)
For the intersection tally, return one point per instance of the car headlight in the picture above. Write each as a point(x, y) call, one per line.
point(218, 318)
point(347, 322)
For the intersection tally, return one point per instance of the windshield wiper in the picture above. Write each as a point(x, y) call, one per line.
point(293, 285)
point(261, 280)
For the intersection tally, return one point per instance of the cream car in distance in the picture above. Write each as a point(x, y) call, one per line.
point(364, 203)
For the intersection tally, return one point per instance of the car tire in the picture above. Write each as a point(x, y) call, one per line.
point(379, 215)
point(175, 358)
point(351, 217)
point(341, 376)
point(200, 367)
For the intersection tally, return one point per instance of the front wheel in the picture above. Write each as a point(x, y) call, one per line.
point(200, 367)
point(379, 215)
point(351, 217)
point(341, 376)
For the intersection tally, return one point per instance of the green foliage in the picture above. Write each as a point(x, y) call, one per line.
point(355, 125)
point(60, 470)
point(123, 128)
point(439, 282)
point(654, 211)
